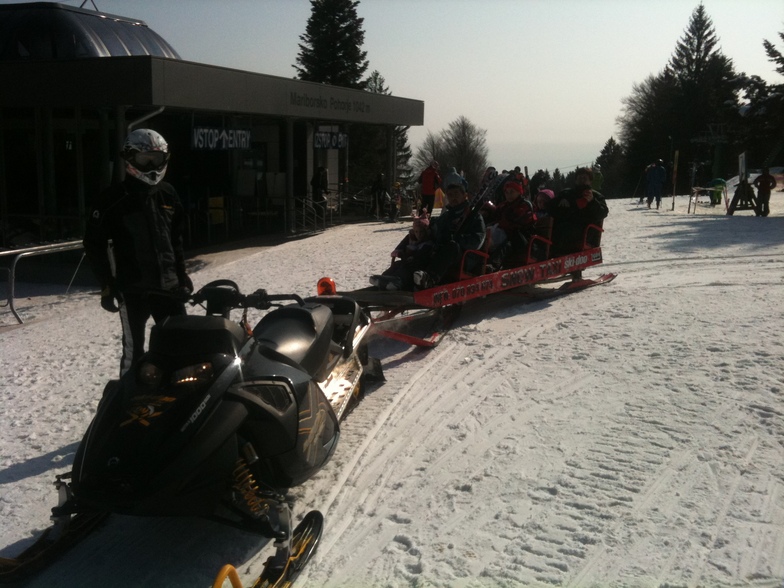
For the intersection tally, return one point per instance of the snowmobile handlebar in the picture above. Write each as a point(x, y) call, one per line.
point(262, 300)
point(224, 295)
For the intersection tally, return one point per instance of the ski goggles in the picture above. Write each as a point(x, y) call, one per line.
point(149, 160)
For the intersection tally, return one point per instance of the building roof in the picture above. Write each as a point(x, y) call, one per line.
point(48, 30)
point(93, 59)
point(144, 81)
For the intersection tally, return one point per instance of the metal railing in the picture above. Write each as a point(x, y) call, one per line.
point(310, 217)
point(30, 252)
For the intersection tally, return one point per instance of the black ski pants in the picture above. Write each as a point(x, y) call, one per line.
point(135, 310)
point(428, 201)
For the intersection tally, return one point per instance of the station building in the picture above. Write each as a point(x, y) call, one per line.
point(244, 145)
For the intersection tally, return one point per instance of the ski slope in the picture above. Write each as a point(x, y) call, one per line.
point(627, 435)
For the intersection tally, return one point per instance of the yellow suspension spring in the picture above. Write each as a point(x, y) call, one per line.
point(245, 484)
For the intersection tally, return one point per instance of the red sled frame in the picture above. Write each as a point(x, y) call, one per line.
point(444, 301)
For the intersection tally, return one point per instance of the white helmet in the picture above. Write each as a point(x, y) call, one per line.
point(146, 155)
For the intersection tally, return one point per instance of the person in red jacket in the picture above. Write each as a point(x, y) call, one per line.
point(430, 181)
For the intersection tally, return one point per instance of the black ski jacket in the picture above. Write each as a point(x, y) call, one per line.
point(459, 224)
point(145, 224)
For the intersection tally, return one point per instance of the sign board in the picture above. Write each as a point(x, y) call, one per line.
point(219, 139)
point(329, 140)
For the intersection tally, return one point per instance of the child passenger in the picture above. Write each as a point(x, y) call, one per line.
point(511, 223)
point(410, 255)
point(541, 202)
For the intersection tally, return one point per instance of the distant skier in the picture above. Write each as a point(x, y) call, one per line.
point(655, 177)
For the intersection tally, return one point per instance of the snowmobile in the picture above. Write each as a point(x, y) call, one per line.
point(219, 420)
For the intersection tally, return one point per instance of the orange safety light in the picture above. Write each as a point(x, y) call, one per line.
point(326, 287)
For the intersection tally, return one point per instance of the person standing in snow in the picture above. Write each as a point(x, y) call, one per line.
point(764, 183)
point(395, 202)
point(143, 218)
point(573, 210)
point(429, 181)
point(655, 177)
point(379, 191)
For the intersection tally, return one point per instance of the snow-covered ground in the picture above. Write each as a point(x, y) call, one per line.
point(628, 435)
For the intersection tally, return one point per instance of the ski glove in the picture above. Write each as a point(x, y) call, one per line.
point(110, 299)
point(186, 284)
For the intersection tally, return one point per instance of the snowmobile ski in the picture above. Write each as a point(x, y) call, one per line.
point(281, 572)
point(54, 541)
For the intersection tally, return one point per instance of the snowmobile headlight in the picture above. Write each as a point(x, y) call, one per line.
point(193, 374)
point(150, 374)
point(275, 394)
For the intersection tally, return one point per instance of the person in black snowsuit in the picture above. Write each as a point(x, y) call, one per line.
point(655, 177)
point(573, 210)
point(144, 219)
point(456, 230)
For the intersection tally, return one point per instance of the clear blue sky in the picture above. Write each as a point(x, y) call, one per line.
point(545, 78)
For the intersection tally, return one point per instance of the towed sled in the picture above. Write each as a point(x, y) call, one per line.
point(527, 274)
point(219, 419)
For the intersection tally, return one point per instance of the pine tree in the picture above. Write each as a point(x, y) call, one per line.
point(706, 104)
point(331, 49)
point(612, 163)
point(774, 54)
point(676, 109)
point(696, 51)
point(763, 114)
point(405, 173)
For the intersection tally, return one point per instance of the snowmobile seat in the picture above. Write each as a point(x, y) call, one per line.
point(193, 334)
point(301, 333)
point(346, 314)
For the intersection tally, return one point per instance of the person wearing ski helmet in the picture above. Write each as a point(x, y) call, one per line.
point(144, 219)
